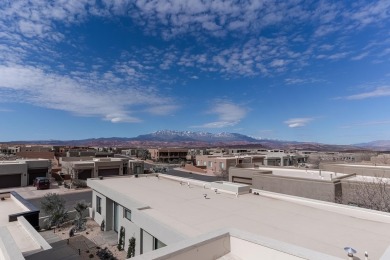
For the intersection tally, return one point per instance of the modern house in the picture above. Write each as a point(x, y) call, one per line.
point(88, 167)
point(218, 164)
point(20, 173)
point(168, 154)
point(331, 186)
point(312, 184)
point(177, 218)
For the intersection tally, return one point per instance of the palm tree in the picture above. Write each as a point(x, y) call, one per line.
point(81, 207)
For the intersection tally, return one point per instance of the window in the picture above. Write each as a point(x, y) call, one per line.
point(98, 205)
point(157, 244)
point(127, 214)
point(222, 165)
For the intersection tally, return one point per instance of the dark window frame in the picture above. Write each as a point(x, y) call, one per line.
point(156, 242)
point(98, 205)
point(125, 215)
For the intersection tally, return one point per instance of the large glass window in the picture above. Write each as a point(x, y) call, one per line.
point(127, 214)
point(98, 205)
point(157, 244)
point(116, 217)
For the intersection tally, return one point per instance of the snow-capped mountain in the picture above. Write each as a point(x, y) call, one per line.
point(172, 135)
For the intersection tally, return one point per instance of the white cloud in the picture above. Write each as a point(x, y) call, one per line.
point(252, 55)
point(371, 13)
point(383, 91)
point(298, 122)
point(162, 110)
point(228, 114)
point(360, 56)
point(278, 63)
point(79, 94)
point(335, 56)
point(368, 123)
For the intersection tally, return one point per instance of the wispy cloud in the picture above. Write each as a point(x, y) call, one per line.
point(79, 94)
point(295, 81)
point(371, 13)
point(21, 21)
point(5, 110)
point(360, 56)
point(369, 123)
point(228, 114)
point(383, 91)
point(335, 56)
point(298, 122)
point(162, 110)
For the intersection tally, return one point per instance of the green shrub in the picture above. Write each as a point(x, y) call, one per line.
point(80, 183)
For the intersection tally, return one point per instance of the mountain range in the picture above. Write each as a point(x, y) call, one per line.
point(164, 138)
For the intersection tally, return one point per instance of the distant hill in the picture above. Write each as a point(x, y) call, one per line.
point(171, 138)
point(189, 136)
point(380, 145)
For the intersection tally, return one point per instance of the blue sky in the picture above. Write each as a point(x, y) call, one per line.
point(291, 70)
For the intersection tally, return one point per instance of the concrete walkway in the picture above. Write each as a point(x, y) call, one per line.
point(50, 236)
point(60, 248)
point(108, 237)
point(60, 251)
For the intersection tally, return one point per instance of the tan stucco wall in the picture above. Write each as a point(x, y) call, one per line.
point(358, 170)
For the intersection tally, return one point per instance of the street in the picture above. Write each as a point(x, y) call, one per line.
point(70, 198)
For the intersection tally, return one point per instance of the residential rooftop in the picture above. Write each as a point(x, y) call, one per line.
point(301, 173)
point(20, 235)
point(315, 225)
point(365, 166)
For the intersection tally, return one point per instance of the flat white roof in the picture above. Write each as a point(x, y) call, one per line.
point(12, 162)
point(365, 166)
point(22, 238)
point(324, 229)
point(302, 173)
point(368, 179)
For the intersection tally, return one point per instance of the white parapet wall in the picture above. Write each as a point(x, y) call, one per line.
point(233, 244)
point(8, 248)
point(33, 233)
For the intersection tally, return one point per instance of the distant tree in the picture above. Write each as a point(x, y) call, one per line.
point(144, 154)
point(369, 192)
point(314, 161)
point(366, 156)
point(53, 205)
point(158, 169)
point(223, 175)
